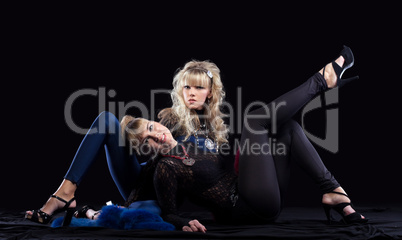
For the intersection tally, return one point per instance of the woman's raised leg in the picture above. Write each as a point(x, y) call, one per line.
point(259, 183)
point(124, 168)
point(258, 177)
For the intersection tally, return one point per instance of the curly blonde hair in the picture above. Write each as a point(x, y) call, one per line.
point(183, 121)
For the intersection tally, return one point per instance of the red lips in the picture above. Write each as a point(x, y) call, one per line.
point(163, 139)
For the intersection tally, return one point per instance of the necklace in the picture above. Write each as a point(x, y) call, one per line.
point(208, 143)
point(186, 159)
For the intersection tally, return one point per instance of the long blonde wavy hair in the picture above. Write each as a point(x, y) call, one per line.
point(184, 121)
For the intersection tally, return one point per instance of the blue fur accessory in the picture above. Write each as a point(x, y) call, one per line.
point(117, 217)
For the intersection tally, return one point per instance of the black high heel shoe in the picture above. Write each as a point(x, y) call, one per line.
point(347, 54)
point(40, 216)
point(82, 213)
point(348, 219)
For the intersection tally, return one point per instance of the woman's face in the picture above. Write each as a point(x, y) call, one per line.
point(195, 96)
point(155, 139)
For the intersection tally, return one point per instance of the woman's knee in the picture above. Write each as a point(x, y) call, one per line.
point(107, 115)
point(255, 125)
point(291, 126)
point(108, 122)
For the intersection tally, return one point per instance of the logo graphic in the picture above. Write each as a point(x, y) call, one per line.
point(331, 140)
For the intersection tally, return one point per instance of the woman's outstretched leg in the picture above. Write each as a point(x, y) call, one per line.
point(124, 168)
point(258, 176)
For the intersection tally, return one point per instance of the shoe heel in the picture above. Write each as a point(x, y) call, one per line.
point(69, 215)
point(342, 82)
point(347, 54)
point(327, 210)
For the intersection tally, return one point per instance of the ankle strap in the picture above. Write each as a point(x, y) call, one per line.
point(61, 199)
point(339, 193)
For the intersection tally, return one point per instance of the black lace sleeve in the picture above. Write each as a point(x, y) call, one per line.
point(166, 186)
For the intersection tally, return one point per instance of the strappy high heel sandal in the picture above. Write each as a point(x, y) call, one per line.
point(348, 219)
point(82, 213)
point(40, 216)
point(347, 54)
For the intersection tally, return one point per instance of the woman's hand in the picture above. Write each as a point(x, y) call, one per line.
point(194, 226)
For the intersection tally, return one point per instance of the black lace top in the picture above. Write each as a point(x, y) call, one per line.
point(208, 182)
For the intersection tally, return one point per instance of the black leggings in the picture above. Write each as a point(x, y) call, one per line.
point(264, 169)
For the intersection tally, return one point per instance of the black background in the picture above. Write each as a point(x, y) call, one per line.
point(266, 50)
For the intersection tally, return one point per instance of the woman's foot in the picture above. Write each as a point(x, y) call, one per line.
point(66, 191)
point(333, 71)
point(92, 214)
point(52, 205)
point(333, 199)
point(330, 75)
point(87, 212)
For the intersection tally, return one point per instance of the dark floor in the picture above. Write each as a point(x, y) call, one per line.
point(294, 223)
